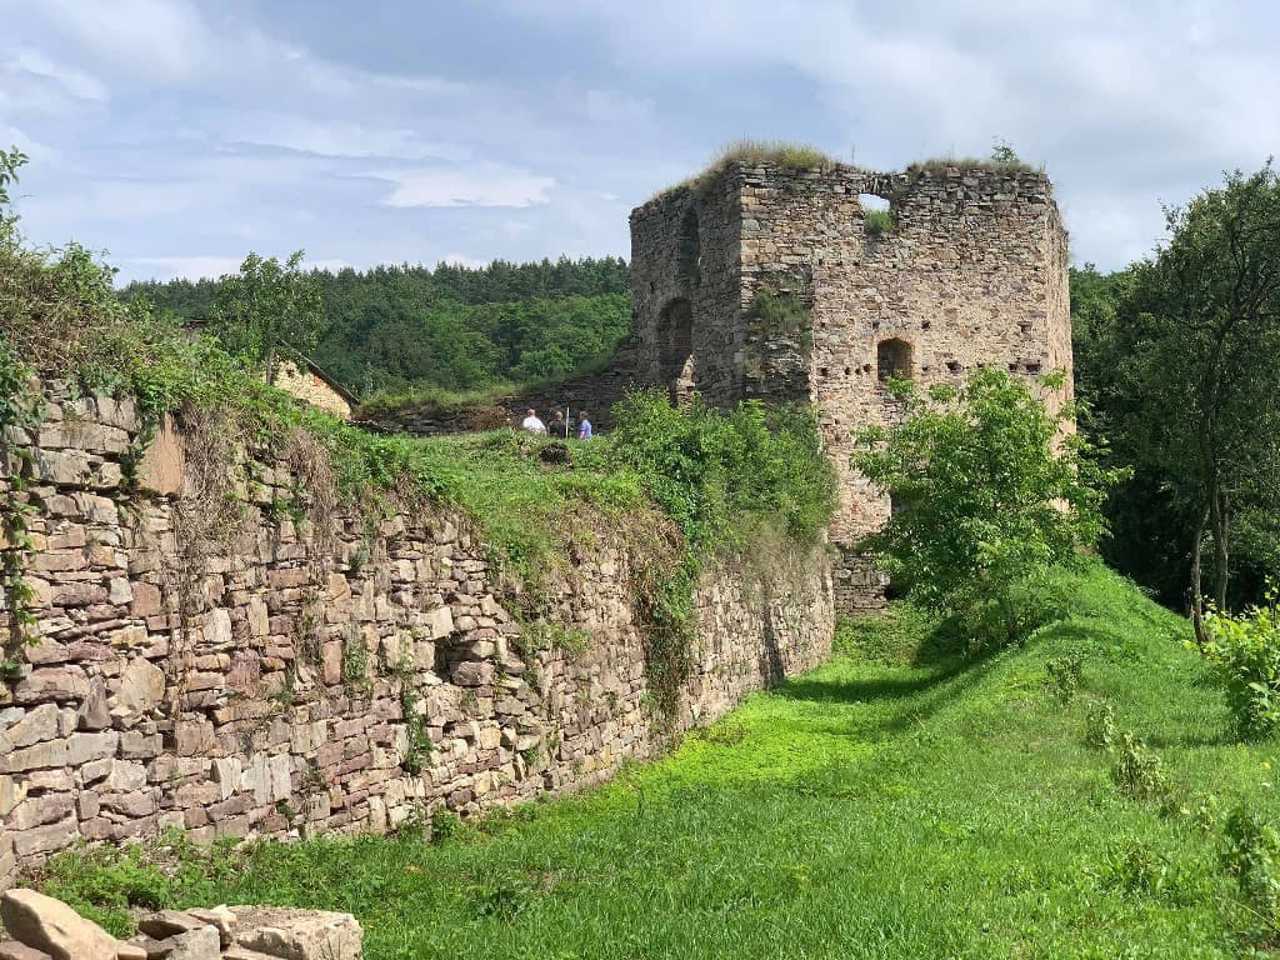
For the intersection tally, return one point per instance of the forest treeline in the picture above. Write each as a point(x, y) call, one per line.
point(1177, 365)
point(397, 329)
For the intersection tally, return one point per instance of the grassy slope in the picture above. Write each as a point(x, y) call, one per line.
point(936, 808)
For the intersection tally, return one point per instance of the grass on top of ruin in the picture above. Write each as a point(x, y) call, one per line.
point(778, 153)
point(905, 800)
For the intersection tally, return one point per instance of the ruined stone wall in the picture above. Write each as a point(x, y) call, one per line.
point(342, 677)
point(972, 273)
point(685, 257)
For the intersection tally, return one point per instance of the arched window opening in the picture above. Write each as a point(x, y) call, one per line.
point(689, 250)
point(893, 359)
point(675, 347)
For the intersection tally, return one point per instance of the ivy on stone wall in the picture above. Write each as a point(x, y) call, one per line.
point(19, 414)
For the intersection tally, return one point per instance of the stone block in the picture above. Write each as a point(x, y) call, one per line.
point(259, 621)
point(227, 772)
point(146, 599)
point(84, 435)
point(78, 593)
point(135, 745)
point(299, 934)
point(117, 413)
point(52, 683)
point(473, 673)
point(439, 623)
point(44, 840)
point(49, 753)
point(193, 737)
point(126, 776)
point(51, 926)
point(94, 713)
point(61, 467)
point(98, 509)
point(163, 467)
point(217, 628)
point(142, 686)
point(37, 724)
point(202, 943)
point(12, 792)
point(41, 810)
point(13, 950)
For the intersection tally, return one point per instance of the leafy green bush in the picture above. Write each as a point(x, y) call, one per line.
point(1138, 770)
point(1100, 726)
point(987, 496)
point(879, 222)
point(1250, 851)
point(1063, 676)
point(720, 477)
point(445, 825)
point(711, 470)
point(1245, 653)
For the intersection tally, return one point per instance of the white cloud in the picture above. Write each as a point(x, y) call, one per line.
point(156, 38)
point(336, 138)
point(479, 186)
point(77, 83)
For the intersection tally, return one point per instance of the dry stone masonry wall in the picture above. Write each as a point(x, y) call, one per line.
point(296, 678)
point(971, 272)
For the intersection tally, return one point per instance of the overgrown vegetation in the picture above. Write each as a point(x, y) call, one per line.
point(986, 498)
point(1245, 651)
point(780, 312)
point(720, 478)
point(776, 153)
point(1003, 159)
point(831, 817)
point(879, 222)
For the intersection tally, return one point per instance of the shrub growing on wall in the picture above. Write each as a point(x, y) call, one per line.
point(719, 476)
point(983, 501)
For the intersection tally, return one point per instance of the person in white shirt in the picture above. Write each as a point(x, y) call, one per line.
point(532, 423)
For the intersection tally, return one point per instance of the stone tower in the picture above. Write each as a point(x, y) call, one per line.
point(970, 271)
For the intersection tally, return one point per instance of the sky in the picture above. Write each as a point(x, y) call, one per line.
point(176, 136)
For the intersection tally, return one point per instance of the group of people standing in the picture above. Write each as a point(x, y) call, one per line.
point(560, 427)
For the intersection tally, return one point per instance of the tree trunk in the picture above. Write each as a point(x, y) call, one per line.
point(1221, 572)
point(1197, 599)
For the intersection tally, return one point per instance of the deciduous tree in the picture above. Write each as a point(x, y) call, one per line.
point(1200, 363)
point(986, 494)
point(269, 306)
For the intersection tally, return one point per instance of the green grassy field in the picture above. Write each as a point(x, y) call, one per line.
point(899, 802)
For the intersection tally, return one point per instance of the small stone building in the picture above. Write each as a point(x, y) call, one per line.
point(305, 380)
point(763, 280)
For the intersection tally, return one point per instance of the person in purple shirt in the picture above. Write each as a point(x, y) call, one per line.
point(584, 426)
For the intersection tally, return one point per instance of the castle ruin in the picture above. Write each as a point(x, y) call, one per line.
point(968, 269)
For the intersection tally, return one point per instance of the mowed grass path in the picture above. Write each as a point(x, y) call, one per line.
point(946, 807)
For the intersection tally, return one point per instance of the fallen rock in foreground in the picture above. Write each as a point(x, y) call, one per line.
point(44, 928)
